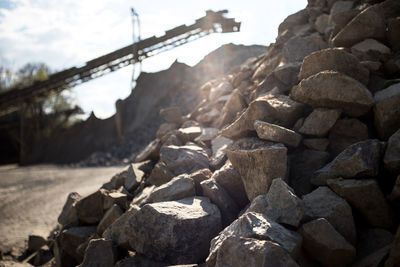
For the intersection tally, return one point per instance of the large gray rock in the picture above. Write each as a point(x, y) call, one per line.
point(368, 24)
point(334, 59)
point(176, 231)
point(324, 203)
point(280, 204)
point(250, 252)
point(358, 160)
point(346, 132)
point(276, 109)
point(325, 244)
point(184, 159)
point(298, 47)
point(258, 226)
point(220, 197)
point(179, 187)
point(331, 89)
point(69, 214)
point(90, 208)
point(258, 163)
point(392, 154)
point(320, 121)
point(276, 133)
point(387, 111)
point(111, 215)
point(230, 179)
point(100, 252)
point(366, 196)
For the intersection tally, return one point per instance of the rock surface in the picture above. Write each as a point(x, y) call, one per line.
point(386, 111)
point(392, 154)
point(276, 133)
point(320, 121)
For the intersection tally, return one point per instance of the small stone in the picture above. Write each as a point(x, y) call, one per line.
point(258, 162)
point(366, 196)
point(109, 217)
point(160, 174)
point(287, 73)
point(198, 177)
point(320, 144)
point(324, 203)
point(171, 114)
point(100, 252)
point(133, 178)
point(325, 244)
point(392, 154)
point(68, 214)
point(189, 133)
point(276, 133)
point(207, 134)
point(179, 187)
point(112, 198)
point(320, 121)
point(330, 89)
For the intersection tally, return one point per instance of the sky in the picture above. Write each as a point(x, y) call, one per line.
point(67, 33)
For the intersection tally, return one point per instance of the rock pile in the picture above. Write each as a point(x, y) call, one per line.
point(292, 159)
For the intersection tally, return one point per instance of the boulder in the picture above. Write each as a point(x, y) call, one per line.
point(151, 151)
point(258, 162)
point(90, 208)
point(240, 251)
point(176, 231)
point(324, 203)
point(184, 159)
point(386, 110)
point(198, 177)
point(368, 24)
point(346, 132)
point(298, 47)
point(160, 174)
point(293, 20)
point(371, 49)
point(276, 109)
point(109, 217)
point(220, 197)
point(100, 252)
point(218, 147)
point(171, 114)
point(287, 73)
point(335, 59)
point(331, 89)
point(258, 226)
point(320, 121)
point(325, 244)
point(394, 256)
point(320, 144)
point(231, 181)
point(276, 133)
point(321, 23)
point(179, 187)
point(358, 160)
point(366, 197)
point(69, 215)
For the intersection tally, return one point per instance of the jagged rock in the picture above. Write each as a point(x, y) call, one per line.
point(393, 33)
point(189, 133)
point(373, 260)
point(165, 128)
point(368, 24)
point(179, 187)
point(100, 252)
point(116, 181)
point(198, 177)
point(320, 121)
point(324, 203)
point(335, 59)
point(325, 244)
point(143, 197)
point(366, 197)
point(151, 151)
point(280, 204)
point(386, 110)
point(346, 132)
point(109, 217)
point(231, 181)
point(171, 140)
point(358, 160)
point(209, 117)
point(219, 146)
point(276, 133)
point(278, 109)
point(118, 198)
point(371, 49)
point(160, 174)
point(221, 89)
point(293, 20)
point(331, 89)
point(392, 154)
point(258, 226)
point(302, 166)
point(36, 240)
point(68, 214)
point(172, 115)
point(258, 163)
point(341, 13)
point(233, 105)
point(117, 230)
point(299, 47)
point(394, 256)
point(184, 159)
point(133, 178)
point(321, 23)
point(320, 144)
point(372, 66)
point(287, 73)
point(371, 240)
point(67, 243)
point(240, 251)
point(90, 208)
point(219, 196)
point(394, 196)
point(176, 231)
point(207, 134)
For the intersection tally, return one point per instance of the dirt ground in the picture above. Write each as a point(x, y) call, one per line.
point(31, 198)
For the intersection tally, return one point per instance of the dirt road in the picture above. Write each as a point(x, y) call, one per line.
point(32, 197)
